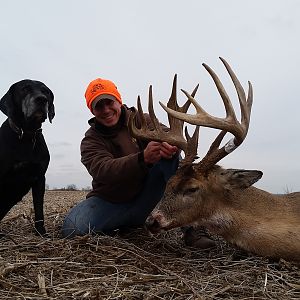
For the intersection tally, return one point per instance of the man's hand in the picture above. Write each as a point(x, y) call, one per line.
point(155, 151)
point(167, 151)
point(152, 153)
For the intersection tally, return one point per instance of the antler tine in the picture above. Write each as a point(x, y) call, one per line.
point(192, 146)
point(244, 104)
point(175, 123)
point(140, 112)
point(143, 131)
point(151, 111)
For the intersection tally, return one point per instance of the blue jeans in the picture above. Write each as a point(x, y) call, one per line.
point(96, 215)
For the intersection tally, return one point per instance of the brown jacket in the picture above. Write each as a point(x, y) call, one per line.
point(114, 159)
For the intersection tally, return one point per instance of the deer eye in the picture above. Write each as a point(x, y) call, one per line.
point(191, 191)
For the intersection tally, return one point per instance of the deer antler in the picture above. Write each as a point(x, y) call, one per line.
point(227, 124)
point(175, 134)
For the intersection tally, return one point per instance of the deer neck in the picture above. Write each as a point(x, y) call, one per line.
point(235, 210)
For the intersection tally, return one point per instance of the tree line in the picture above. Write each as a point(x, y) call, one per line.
point(69, 187)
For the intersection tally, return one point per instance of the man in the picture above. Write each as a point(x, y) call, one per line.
point(129, 175)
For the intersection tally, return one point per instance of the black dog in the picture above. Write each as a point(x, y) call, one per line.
point(24, 156)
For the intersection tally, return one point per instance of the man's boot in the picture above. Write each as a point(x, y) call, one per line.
point(197, 238)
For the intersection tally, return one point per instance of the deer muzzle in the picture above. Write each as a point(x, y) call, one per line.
point(156, 222)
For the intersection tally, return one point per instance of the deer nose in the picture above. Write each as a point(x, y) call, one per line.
point(152, 224)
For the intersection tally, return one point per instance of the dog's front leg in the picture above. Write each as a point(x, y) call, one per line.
point(38, 191)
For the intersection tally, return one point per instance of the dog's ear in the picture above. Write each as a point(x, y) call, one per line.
point(51, 110)
point(6, 105)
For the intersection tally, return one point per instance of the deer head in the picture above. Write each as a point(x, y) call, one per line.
point(194, 186)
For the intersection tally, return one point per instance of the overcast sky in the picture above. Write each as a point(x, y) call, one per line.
point(135, 43)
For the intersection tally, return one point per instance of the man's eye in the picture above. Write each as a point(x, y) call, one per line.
point(108, 102)
point(105, 102)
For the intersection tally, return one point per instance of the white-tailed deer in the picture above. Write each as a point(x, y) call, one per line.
point(223, 200)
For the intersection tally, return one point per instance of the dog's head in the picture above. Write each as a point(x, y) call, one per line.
point(28, 103)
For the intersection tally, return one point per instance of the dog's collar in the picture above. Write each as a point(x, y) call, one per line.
point(20, 132)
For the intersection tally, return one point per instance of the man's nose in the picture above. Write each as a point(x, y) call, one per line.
point(104, 107)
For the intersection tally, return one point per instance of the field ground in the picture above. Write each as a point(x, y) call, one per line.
point(134, 265)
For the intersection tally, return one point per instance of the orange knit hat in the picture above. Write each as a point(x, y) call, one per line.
point(99, 87)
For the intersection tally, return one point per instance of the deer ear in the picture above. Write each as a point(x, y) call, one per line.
point(240, 179)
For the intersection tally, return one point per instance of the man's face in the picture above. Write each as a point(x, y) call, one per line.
point(107, 112)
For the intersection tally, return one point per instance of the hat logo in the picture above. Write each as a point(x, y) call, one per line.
point(97, 87)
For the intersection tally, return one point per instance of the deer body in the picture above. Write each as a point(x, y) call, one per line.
point(222, 200)
point(268, 225)
point(226, 204)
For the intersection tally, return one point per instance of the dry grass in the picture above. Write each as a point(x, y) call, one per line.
point(129, 266)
